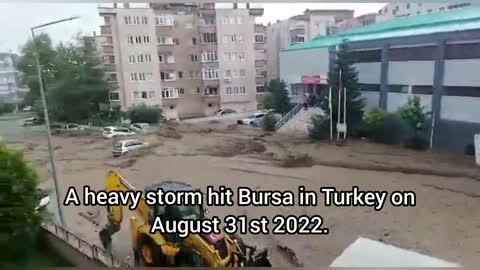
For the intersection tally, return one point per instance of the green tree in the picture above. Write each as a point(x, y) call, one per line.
point(144, 114)
point(355, 102)
point(27, 66)
point(74, 81)
point(267, 101)
point(20, 222)
point(280, 99)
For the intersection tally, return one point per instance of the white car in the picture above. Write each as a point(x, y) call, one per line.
point(110, 132)
point(123, 147)
point(139, 127)
point(224, 111)
point(251, 118)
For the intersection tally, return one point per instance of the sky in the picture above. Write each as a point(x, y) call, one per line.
point(16, 19)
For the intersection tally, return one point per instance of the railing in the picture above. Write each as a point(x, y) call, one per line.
point(93, 252)
point(288, 116)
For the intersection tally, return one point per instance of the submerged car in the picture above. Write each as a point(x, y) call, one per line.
point(110, 132)
point(123, 147)
point(140, 127)
point(224, 111)
point(251, 118)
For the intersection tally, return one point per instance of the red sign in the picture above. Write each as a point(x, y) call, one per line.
point(311, 79)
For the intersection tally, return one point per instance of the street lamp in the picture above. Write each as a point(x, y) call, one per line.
point(45, 112)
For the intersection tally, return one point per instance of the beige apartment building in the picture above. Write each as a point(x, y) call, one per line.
point(190, 59)
point(300, 28)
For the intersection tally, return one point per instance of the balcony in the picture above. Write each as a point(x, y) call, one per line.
point(255, 11)
point(108, 50)
point(260, 63)
point(105, 30)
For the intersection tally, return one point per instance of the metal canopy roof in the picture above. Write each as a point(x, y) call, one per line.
point(446, 21)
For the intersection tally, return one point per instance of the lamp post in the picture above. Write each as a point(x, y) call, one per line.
point(45, 112)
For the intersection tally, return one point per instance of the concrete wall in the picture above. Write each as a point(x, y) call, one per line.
point(294, 64)
point(397, 100)
point(411, 72)
point(371, 99)
point(368, 72)
point(462, 72)
point(466, 109)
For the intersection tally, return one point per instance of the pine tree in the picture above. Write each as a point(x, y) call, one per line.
point(355, 102)
point(280, 98)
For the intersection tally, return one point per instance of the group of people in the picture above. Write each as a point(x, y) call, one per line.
point(310, 100)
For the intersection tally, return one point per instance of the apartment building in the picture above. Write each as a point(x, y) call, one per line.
point(394, 10)
point(10, 90)
point(300, 28)
point(362, 20)
point(190, 59)
point(260, 58)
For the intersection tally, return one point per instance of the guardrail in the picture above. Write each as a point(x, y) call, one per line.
point(288, 116)
point(93, 252)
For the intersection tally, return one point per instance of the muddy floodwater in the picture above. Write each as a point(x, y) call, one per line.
point(443, 223)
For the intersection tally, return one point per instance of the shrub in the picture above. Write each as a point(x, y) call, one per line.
point(268, 122)
point(393, 130)
point(319, 127)
point(6, 108)
point(417, 142)
point(374, 116)
point(267, 101)
point(413, 114)
point(144, 114)
point(20, 221)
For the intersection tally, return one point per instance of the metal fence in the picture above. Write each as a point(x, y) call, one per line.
point(93, 252)
point(288, 116)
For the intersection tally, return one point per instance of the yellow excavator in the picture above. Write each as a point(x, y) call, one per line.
point(157, 249)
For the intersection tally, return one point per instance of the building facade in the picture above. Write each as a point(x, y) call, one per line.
point(394, 10)
point(190, 59)
point(10, 90)
point(434, 56)
point(297, 29)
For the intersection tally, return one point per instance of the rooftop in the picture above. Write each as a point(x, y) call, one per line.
point(447, 21)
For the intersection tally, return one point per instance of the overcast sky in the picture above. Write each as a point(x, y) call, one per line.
point(17, 18)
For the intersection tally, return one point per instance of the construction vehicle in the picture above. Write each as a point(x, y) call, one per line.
point(157, 249)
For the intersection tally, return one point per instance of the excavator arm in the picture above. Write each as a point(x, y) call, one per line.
point(115, 182)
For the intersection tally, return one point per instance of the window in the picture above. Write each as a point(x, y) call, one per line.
point(136, 95)
point(144, 94)
point(176, 41)
point(133, 77)
point(167, 76)
point(194, 57)
point(210, 74)
point(146, 39)
point(111, 77)
point(241, 56)
point(260, 89)
point(114, 96)
point(128, 20)
point(225, 20)
point(195, 75)
point(235, 90)
point(163, 40)
point(397, 88)
point(240, 19)
point(180, 74)
point(210, 91)
point(242, 73)
point(151, 94)
point(169, 93)
point(144, 20)
point(130, 39)
point(369, 87)
point(228, 73)
point(194, 41)
point(243, 91)
point(131, 58)
point(462, 91)
point(181, 91)
point(138, 40)
point(235, 73)
point(209, 56)
point(259, 38)
point(229, 90)
point(106, 19)
point(161, 58)
point(462, 51)
point(170, 59)
point(148, 58)
point(231, 20)
point(425, 53)
point(140, 58)
point(422, 89)
point(209, 37)
point(366, 56)
point(164, 20)
point(208, 20)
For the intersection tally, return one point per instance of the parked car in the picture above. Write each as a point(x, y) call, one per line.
point(123, 147)
point(43, 199)
point(65, 127)
point(110, 132)
point(224, 111)
point(140, 127)
point(251, 118)
point(258, 121)
point(31, 121)
point(27, 108)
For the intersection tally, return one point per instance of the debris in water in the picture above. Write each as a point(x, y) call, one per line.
point(292, 257)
